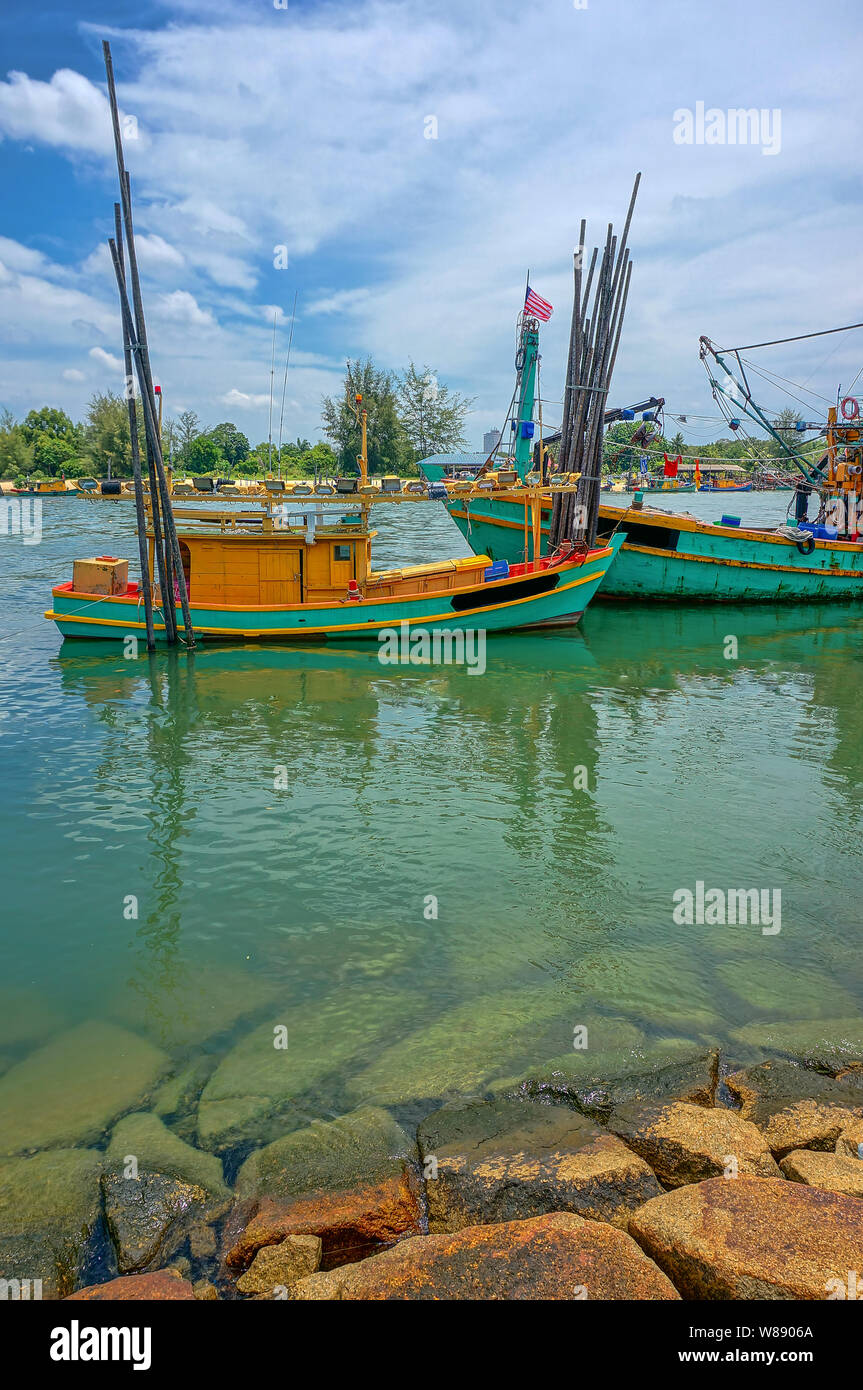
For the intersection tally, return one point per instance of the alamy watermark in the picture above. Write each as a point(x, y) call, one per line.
point(437, 646)
point(21, 516)
point(738, 125)
point(720, 907)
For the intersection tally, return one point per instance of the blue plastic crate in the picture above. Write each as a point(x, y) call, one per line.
point(499, 570)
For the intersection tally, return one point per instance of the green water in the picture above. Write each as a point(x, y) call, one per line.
point(431, 857)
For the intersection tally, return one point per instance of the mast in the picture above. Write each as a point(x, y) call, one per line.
point(527, 359)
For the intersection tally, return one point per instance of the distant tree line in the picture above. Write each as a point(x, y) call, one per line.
point(409, 416)
point(624, 445)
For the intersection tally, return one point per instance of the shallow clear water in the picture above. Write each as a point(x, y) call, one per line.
point(551, 806)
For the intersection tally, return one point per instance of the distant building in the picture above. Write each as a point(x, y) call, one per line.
point(490, 440)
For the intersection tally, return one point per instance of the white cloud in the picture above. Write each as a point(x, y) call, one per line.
point(106, 359)
point(241, 400)
point(68, 111)
point(181, 307)
point(72, 374)
point(340, 302)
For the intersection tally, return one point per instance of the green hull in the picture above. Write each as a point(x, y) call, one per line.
point(502, 607)
point(707, 563)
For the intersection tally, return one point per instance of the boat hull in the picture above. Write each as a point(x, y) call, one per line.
point(678, 559)
point(520, 602)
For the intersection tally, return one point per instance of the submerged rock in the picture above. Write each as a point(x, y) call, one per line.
point(771, 987)
point(687, 1143)
point(797, 1108)
point(70, 1091)
point(26, 1017)
point(751, 1237)
point(465, 1048)
point(162, 1285)
point(157, 1191)
point(157, 1149)
point(826, 1044)
point(663, 985)
point(195, 1005)
point(50, 1207)
point(276, 1267)
point(351, 1181)
point(176, 1100)
point(148, 1217)
point(505, 1160)
point(560, 1256)
point(256, 1091)
point(668, 1069)
point(834, 1172)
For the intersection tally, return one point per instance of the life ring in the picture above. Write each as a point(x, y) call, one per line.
point(806, 547)
point(850, 408)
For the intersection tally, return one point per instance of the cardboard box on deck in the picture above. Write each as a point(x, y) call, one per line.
point(102, 575)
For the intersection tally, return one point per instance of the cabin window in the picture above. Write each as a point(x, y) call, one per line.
point(341, 552)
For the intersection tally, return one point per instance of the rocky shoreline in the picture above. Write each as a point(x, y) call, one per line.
point(668, 1176)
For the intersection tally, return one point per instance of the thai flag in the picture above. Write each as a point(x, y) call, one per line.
point(537, 307)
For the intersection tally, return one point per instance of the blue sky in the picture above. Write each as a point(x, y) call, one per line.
point(306, 127)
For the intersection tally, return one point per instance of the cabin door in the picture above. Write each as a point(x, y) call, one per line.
point(281, 575)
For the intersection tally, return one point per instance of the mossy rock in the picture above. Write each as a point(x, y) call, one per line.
point(50, 1207)
point(70, 1091)
point(360, 1147)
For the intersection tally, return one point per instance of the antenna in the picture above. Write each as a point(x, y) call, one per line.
point(272, 376)
point(285, 382)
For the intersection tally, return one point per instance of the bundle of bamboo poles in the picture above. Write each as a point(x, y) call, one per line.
point(593, 342)
point(169, 564)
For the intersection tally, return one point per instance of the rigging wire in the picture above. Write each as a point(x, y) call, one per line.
point(798, 338)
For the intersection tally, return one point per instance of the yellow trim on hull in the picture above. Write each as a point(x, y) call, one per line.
point(832, 571)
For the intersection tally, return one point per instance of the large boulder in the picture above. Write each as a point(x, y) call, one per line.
point(50, 1208)
point(751, 1237)
point(834, 1172)
point(796, 1107)
point(352, 1181)
point(506, 1160)
point(687, 1143)
point(559, 1256)
point(70, 1091)
point(160, 1286)
point(256, 1093)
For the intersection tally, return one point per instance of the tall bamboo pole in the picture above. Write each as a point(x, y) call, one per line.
point(143, 556)
point(141, 358)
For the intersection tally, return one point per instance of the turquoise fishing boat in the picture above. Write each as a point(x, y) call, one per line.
point(291, 574)
point(667, 556)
